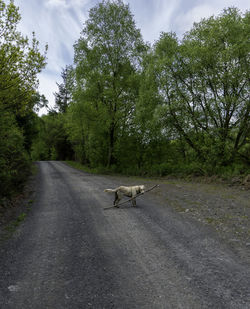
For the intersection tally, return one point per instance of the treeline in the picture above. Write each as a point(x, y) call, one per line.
point(20, 62)
point(179, 106)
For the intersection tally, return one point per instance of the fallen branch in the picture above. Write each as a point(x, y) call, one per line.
point(132, 197)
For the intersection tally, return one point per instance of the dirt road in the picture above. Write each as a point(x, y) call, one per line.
point(70, 253)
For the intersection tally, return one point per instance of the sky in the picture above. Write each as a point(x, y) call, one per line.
point(58, 23)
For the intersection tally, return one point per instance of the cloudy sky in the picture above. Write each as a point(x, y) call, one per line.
point(59, 23)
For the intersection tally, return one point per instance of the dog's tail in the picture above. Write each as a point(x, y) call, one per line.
point(110, 190)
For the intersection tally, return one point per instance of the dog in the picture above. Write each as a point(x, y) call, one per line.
point(127, 191)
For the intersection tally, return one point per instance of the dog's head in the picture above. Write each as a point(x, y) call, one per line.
point(141, 189)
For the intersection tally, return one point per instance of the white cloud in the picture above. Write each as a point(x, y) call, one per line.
point(57, 3)
point(185, 20)
point(59, 22)
point(162, 19)
point(62, 4)
point(153, 16)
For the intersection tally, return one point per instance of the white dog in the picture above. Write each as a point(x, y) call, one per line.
point(127, 191)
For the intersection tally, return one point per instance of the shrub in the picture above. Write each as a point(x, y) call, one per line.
point(14, 161)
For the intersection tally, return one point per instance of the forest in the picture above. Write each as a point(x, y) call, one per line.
point(20, 62)
point(178, 106)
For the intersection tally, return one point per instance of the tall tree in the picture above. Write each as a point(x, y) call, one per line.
point(63, 96)
point(203, 86)
point(20, 62)
point(107, 57)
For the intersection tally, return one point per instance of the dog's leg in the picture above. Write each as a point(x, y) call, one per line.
point(134, 202)
point(117, 199)
point(133, 193)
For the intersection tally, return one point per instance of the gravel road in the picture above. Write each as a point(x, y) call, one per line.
point(70, 253)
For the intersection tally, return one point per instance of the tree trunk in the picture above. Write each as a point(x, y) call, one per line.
point(111, 159)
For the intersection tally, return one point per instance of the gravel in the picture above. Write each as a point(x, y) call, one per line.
point(185, 245)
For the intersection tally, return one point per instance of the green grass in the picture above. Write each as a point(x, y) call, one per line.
point(33, 169)
point(12, 226)
point(211, 220)
point(81, 167)
point(106, 171)
point(183, 173)
point(93, 170)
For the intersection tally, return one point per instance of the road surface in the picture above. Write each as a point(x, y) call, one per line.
point(70, 253)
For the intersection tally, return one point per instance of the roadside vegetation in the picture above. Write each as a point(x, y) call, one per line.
point(20, 62)
point(180, 106)
point(177, 107)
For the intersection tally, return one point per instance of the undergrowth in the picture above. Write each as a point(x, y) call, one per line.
point(167, 169)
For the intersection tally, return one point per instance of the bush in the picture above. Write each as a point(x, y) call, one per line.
point(162, 169)
point(14, 161)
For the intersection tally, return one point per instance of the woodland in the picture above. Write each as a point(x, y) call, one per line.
point(175, 107)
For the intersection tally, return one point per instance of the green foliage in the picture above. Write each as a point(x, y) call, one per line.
point(201, 87)
point(20, 62)
point(178, 107)
point(107, 57)
point(14, 160)
point(63, 96)
point(51, 143)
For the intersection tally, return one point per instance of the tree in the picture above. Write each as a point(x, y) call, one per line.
point(52, 141)
point(63, 96)
point(20, 62)
point(107, 57)
point(203, 85)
